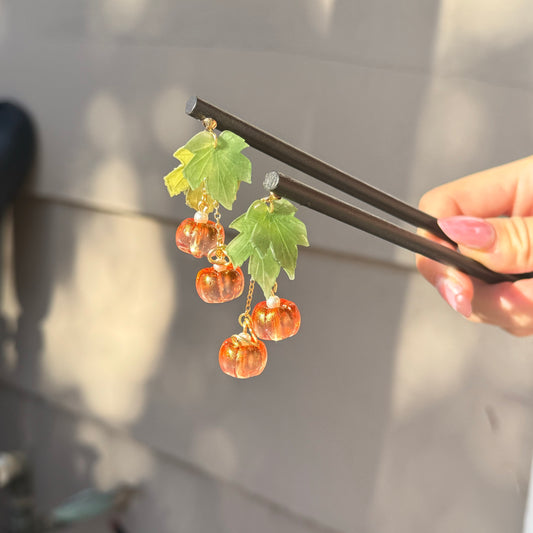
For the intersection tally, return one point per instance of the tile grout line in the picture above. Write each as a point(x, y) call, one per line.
point(169, 221)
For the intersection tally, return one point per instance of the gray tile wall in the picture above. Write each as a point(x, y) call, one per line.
point(387, 413)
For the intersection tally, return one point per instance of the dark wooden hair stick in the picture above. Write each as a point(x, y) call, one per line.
point(303, 194)
point(300, 160)
point(286, 187)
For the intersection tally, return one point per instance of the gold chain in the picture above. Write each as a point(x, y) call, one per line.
point(249, 297)
point(218, 225)
point(217, 214)
point(244, 318)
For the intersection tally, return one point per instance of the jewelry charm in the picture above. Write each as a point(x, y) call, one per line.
point(209, 175)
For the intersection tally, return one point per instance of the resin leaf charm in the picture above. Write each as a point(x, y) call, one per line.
point(210, 161)
point(211, 170)
point(175, 180)
point(269, 235)
point(219, 161)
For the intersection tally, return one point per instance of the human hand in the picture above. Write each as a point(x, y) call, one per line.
point(490, 216)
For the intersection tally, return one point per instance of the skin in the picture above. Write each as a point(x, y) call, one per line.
point(503, 197)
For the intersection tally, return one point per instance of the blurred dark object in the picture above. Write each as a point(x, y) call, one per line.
point(19, 505)
point(17, 484)
point(117, 527)
point(12, 466)
point(18, 148)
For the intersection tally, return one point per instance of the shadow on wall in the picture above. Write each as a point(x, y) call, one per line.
point(110, 324)
point(461, 456)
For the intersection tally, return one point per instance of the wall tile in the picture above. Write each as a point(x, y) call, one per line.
point(387, 413)
point(105, 144)
point(379, 361)
point(109, 146)
point(371, 33)
point(69, 454)
point(463, 38)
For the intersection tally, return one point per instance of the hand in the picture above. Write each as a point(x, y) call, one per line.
point(470, 212)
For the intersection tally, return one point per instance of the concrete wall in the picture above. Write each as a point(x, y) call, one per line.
point(387, 413)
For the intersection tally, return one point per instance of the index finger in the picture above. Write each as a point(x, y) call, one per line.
point(503, 190)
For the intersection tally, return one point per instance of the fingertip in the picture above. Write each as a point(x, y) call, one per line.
point(455, 287)
point(427, 268)
point(471, 232)
point(455, 295)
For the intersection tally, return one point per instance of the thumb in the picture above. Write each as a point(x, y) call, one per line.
point(501, 244)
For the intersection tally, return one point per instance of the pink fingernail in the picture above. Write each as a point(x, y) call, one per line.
point(469, 231)
point(453, 293)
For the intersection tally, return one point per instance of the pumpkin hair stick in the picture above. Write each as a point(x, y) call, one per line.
point(211, 170)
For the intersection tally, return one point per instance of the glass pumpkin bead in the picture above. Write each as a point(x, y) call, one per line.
point(242, 356)
point(219, 283)
point(278, 321)
point(197, 238)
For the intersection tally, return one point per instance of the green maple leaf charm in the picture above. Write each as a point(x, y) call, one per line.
point(214, 161)
point(175, 180)
point(270, 239)
point(218, 161)
point(264, 270)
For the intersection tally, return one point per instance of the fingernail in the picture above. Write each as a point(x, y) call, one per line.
point(453, 293)
point(469, 231)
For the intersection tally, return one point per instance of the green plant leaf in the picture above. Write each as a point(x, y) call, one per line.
point(220, 163)
point(264, 270)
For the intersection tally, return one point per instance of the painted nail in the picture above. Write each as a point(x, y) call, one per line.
point(453, 293)
point(469, 231)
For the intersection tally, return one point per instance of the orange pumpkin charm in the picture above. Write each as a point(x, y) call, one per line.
point(219, 283)
point(276, 319)
point(197, 236)
point(242, 356)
